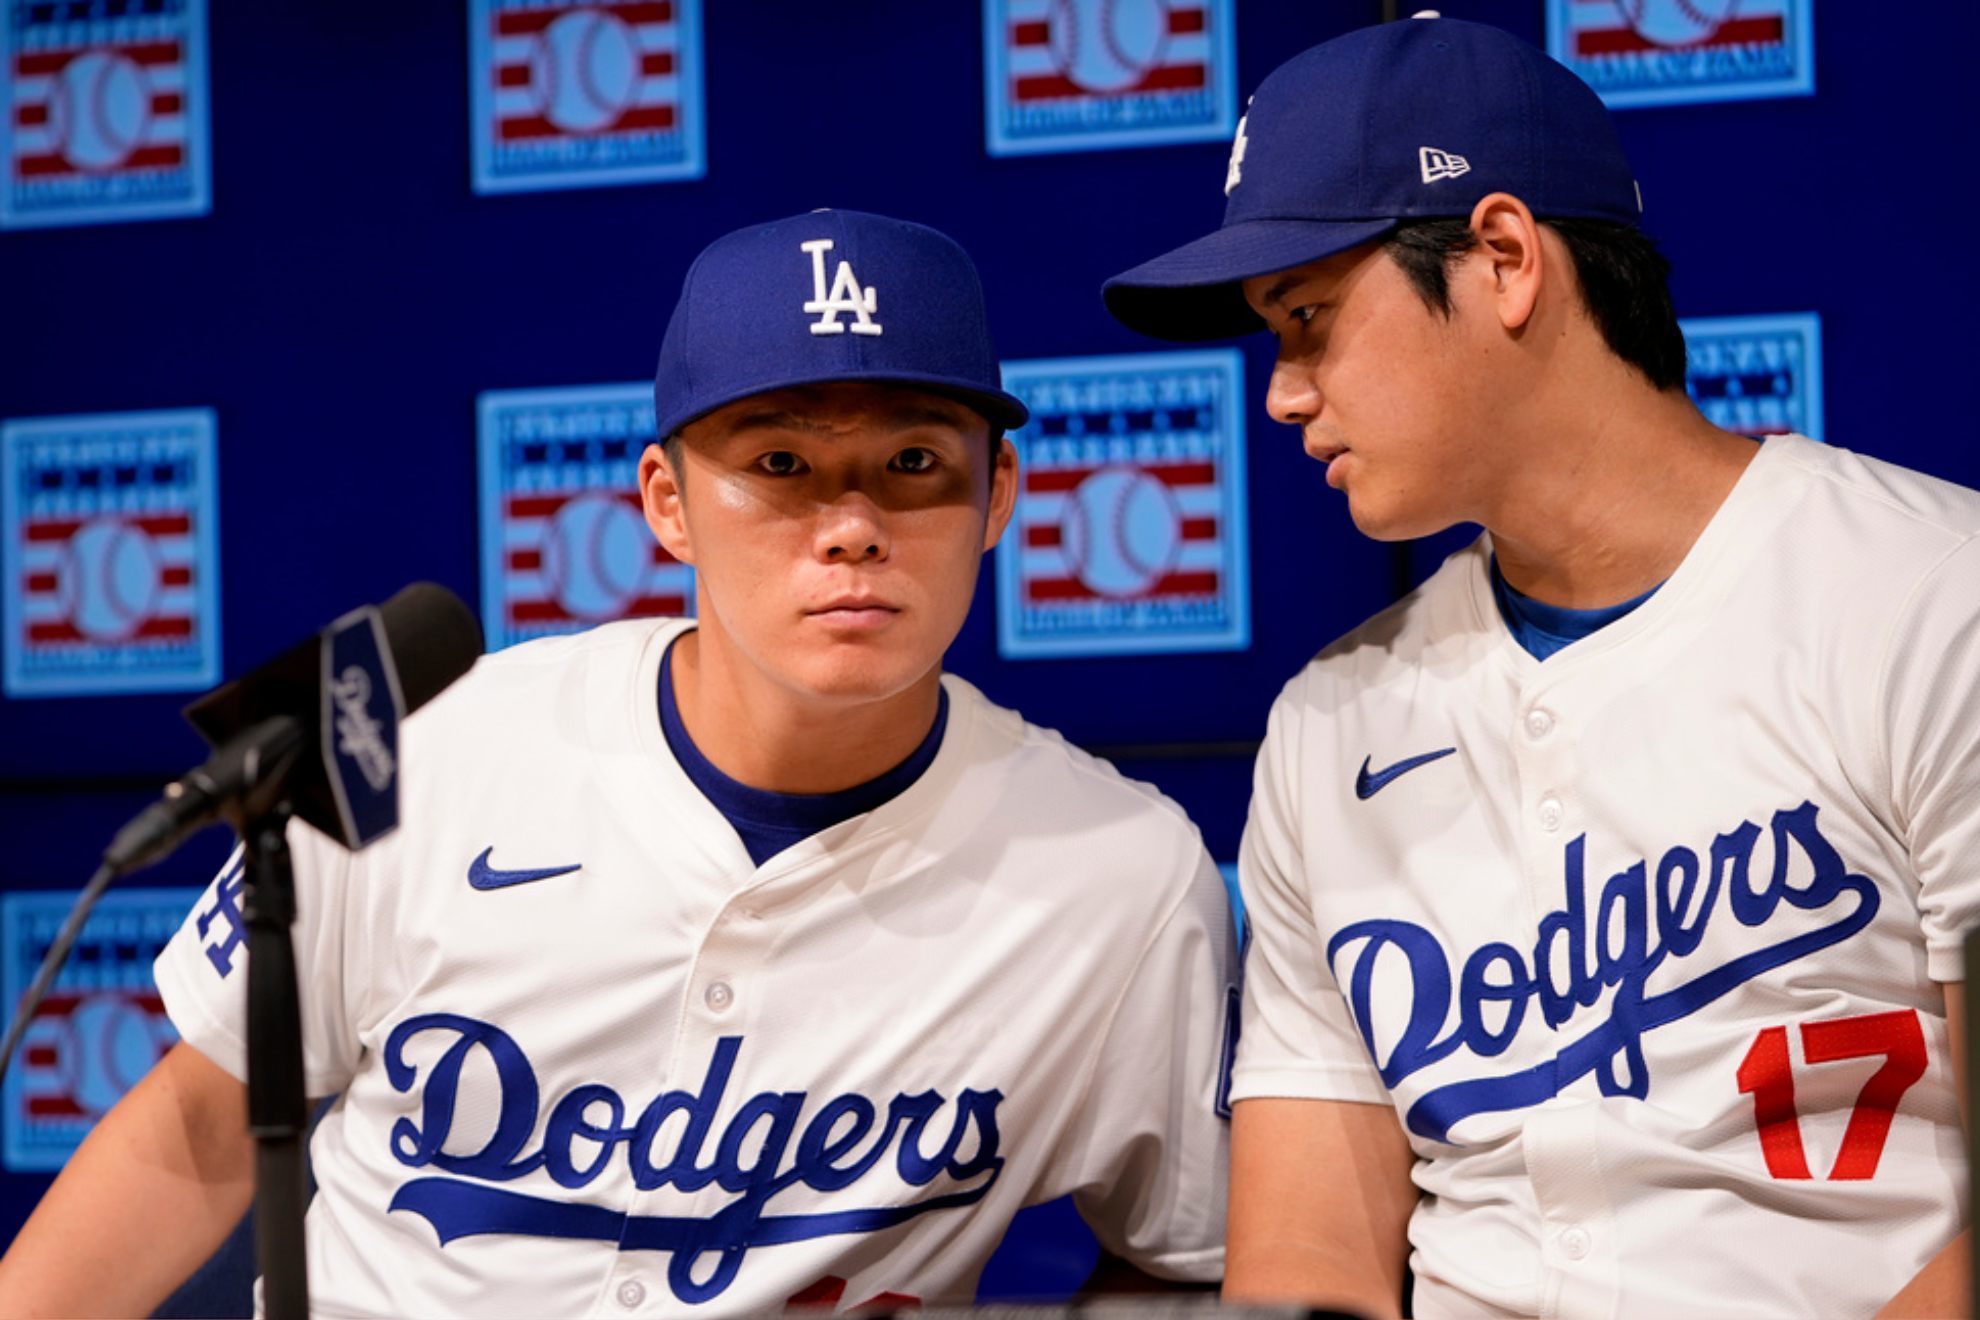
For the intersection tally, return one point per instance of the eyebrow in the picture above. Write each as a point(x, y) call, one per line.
point(905, 417)
point(1281, 287)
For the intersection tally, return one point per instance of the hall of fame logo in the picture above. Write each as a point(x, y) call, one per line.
point(102, 1025)
point(1129, 535)
point(1665, 52)
point(1085, 75)
point(569, 94)
point(564, 544)
point(102, 111)
point(112, 563)
point(1758, 375)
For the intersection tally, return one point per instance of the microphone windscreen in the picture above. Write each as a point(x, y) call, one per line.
point(433, 637)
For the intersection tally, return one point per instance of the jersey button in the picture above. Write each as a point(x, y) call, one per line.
point(718, 996)
point(1539, 723)
point(1552, 813)
point(1576, 1242)
point(631, 1293)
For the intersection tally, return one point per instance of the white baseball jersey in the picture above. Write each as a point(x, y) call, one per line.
point(592, 1060)
point(1643, 943)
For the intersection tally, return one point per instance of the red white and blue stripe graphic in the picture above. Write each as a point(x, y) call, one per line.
point(1666, 52)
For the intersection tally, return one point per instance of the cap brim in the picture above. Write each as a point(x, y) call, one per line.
point(1193, 292)
point(1000, 409)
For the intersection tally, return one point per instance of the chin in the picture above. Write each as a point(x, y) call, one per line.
point(1390, 520)
point(855, 674)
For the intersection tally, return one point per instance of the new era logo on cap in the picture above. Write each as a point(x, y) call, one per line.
point(1441, 164)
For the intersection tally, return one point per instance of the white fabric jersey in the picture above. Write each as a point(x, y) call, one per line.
point(592, 1060)
point(1643, 942)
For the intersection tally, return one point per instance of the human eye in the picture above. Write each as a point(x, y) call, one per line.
point(915, 459)
point(1304, 314)
point(780, 463)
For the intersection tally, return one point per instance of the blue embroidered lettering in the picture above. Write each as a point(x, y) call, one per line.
point(1573, 966)
point(227, 910)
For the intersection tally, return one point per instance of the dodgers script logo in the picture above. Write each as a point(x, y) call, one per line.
point(671, 1142)
point(107, 529)
point(1129, 534)
point(564, 544)
point(1663, 916)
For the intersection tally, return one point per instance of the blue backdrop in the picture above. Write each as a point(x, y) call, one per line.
point(349, 296)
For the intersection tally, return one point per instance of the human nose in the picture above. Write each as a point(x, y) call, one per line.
point(1292, 397)
point(853, 529)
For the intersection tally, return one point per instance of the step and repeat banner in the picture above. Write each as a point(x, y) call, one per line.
point(305, 301)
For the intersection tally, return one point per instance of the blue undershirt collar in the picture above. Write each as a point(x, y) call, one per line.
point(1543, 629)
point(768, 822)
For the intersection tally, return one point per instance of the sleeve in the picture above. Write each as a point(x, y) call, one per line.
point(1299, 1040)
point(1149, 1146)
point(1931, 712)
point(202, 971)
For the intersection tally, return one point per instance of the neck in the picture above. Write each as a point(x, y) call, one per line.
point(1604, 501)
point(762, 734)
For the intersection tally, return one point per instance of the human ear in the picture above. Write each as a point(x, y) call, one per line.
point(1003, 492)
point(1509, 244)
point(660, 499)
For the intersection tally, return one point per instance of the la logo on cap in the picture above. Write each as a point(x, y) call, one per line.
point(846, 296)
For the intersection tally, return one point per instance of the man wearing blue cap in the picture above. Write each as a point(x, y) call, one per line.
point(1607, 891)
point(733, 963)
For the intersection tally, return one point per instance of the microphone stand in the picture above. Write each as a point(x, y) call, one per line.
point(278, 1110)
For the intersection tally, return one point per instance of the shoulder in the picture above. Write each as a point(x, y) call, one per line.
point(1862, 498)
point(1038, 784)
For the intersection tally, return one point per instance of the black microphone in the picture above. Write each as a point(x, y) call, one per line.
point(317, 726)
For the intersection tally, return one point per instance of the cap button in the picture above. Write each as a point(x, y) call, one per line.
point(1426, 13)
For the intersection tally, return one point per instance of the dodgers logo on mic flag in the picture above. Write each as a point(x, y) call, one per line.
point(103, 115)
point(112, 564)
point(1758, 375)
point(577, 95)
point(1664, 52)
point(102, 1025)
point(564, 544)
point(1084, 75)
point(1129, 535)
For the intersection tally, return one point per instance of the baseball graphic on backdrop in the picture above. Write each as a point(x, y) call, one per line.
point(1122, 531)
point(110, 579)
point(586, 67)
point(1676, 22)
point(99, 110)
point(1107, 45)
point(595, 556)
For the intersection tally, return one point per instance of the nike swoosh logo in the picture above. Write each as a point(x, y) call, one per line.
point(483, 876)
point(1367, 785)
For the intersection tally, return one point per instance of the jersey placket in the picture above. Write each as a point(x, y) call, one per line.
point(720, 999)
point(1575, 1232)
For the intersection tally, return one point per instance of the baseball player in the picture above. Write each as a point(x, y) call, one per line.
point(731, 963)
point(1606, 892)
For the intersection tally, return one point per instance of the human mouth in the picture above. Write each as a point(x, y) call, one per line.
point(854, 613)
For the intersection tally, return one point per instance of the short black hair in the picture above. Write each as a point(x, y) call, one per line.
point(1624, 282)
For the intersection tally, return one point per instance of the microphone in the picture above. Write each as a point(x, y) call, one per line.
point(317, 725)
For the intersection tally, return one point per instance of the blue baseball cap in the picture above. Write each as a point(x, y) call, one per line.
point(828, 296)
point(1342, 142)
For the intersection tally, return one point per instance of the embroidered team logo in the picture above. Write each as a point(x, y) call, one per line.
point(1130, 528)
point(111, 577)
point(845, 296)
point(1758, 375)
point(564, 544)
point(103, 114)
point(1662, 52)
point(102, 1025)
point(581, 94)
point(1081, 75)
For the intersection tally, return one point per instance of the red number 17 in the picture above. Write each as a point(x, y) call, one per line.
point(1767, 1075)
